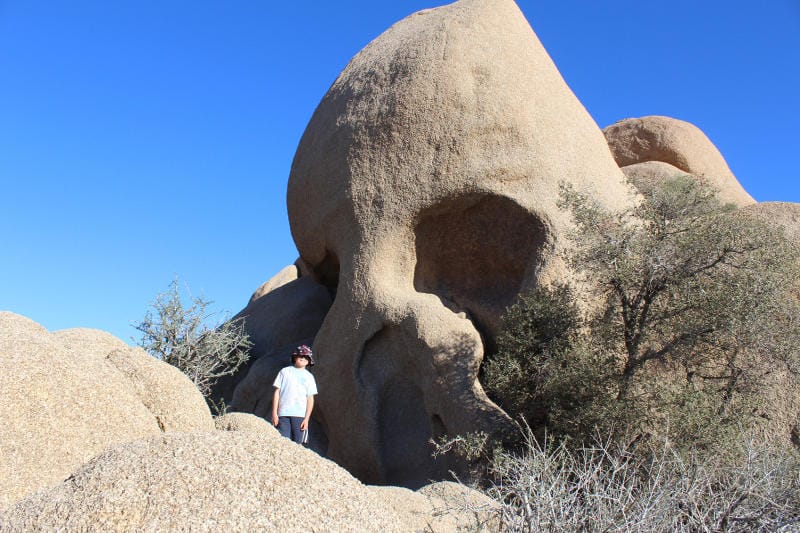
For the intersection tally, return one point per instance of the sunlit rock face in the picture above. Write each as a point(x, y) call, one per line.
point(245, 477)
point(243, 480)
point(69, 395)
point(423, 192)
point(779, 394)
point(638, 143)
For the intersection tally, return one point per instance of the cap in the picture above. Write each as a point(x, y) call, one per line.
point(304, 351)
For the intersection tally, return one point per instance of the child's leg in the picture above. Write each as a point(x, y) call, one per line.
point(285, 426)
point(297, 435)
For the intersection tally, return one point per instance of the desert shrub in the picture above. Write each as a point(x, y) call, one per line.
point(538, 332)
point(682, 282)
point(544, 372)
point(689, 312)
point(189, 338)
point(550, 486)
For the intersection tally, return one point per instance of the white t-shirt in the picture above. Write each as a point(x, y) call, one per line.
point(295, 384)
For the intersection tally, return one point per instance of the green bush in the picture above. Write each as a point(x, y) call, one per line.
point(677, 335)
point(538, 333)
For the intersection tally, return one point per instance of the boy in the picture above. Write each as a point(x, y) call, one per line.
point(293, 399)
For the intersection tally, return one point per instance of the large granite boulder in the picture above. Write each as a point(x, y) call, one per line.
point(69, 395)
point(286, 275)
point(89, 341)
point(163, 389)
point(442, 506)
point(242, 422)
point(289, 315)
point(424, 194)
point(780, 392)
point(222, 481)
point(678, 143)
point(785, 215)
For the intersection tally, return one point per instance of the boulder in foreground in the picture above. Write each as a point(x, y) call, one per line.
point(69, 395)
point(221, 480)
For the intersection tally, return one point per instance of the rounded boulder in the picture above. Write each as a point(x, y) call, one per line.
point(70, 395)
point(679, 143)
point(219, 480)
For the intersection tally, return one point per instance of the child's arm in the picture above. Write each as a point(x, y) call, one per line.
point(276, 397)
point(309, 408)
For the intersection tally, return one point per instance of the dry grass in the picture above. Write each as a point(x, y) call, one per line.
point(547, 488)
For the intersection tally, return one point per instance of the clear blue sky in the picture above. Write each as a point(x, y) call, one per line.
point(144, 140)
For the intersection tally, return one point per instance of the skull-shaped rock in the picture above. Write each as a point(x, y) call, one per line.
point(424, 190)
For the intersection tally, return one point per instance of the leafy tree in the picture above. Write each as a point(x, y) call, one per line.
point(537, 333)
point(545, 370)
point(687, 295)
point(185, 338)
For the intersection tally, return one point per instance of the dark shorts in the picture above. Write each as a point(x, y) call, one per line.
point(289, 427)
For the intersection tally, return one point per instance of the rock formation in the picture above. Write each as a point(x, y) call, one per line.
point(164, 390)
point(83, 447)
point(286, 275)
point(781, 392)
point(69, 395)
point(285, 317)
point(442, 506)
point(89, 341)
point(785, 215)
point(247, 480)
point(423, 193)
point(678, 143)
point(242, 422)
